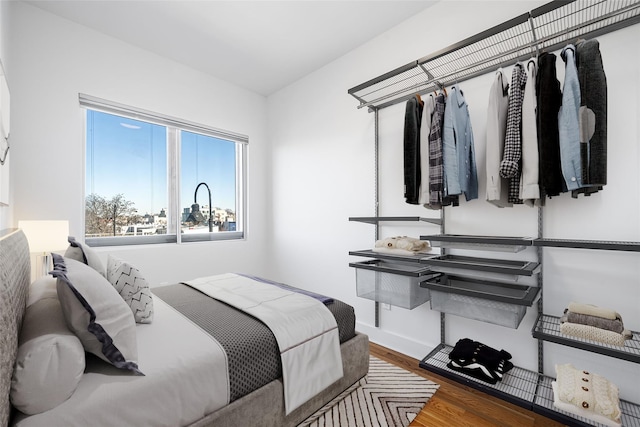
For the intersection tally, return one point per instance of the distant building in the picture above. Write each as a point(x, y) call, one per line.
point(221, 217)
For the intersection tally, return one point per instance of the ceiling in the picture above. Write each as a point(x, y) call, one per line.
point(259, 45)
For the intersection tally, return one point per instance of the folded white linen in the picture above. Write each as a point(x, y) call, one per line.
point(399, 251)
point(305, 329)
point(593, 310)
point(594, 334)
point(403, 242)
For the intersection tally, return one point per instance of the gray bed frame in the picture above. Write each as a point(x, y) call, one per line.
point(263, 407)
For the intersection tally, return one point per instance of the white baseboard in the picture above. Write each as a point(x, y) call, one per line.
point(405, 345)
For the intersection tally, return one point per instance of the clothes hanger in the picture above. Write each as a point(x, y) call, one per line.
point(439, 88)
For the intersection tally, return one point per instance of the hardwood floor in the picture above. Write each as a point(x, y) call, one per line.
point(457, 405)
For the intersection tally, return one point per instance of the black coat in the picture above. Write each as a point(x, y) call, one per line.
point(412, 171)
point(549, 101)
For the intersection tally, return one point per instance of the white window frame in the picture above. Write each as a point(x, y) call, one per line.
point(174, 126)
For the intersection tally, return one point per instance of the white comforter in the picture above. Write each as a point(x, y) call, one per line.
point(306, 331)
point(186, 378)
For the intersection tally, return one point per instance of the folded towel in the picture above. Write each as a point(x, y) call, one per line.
point(614, 325)
point(403, 242)
point(594, 334)
point(588, 391)
point(593, 310)
point(580, 412)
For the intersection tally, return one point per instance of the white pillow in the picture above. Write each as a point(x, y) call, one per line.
point(83, 253)
point(132, 287)
point(50, 360)
point(42, 287)
point(95, 312)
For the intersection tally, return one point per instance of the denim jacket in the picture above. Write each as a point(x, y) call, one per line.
point(460, 174)
point(568, 128)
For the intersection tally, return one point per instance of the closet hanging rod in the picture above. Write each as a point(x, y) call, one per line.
point(546, 28)
point(452, 77)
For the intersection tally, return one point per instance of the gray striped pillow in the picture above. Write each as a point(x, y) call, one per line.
point(132, 287)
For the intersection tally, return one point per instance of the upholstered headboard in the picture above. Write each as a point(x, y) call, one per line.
point(15, 273)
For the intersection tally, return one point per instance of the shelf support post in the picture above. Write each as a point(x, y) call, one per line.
point(443, 251)
point(540, 254)
point(376, 198)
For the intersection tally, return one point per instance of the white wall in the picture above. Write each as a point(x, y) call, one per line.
point(5, 211)
point(55, 59)
point(323, 173)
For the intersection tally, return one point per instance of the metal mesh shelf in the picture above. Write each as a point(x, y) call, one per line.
point(547, 328)
point(368, 253)
point(518, 386)
point(377, 219)
point(455, 264)
point(548, 27)
point(504, 244)
point(589, 244)
point(391, 282)
point(543, 404)
point(522, 387)
point(515, 244)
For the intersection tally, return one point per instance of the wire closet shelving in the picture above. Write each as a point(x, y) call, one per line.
point(547, 28)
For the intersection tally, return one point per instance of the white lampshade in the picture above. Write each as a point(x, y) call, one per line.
point(45, 236)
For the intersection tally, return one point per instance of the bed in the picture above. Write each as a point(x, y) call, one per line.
point(189, 334)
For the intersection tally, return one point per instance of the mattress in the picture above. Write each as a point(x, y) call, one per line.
point(185, 379)
point(251, 348)
point(184, 354)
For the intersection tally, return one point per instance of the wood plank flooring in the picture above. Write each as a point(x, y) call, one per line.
point(457, 405)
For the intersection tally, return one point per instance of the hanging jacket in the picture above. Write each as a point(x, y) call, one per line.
point(460, 175)
point(549, 102)
point(497, 187)
point(412, 119)
point(510, 167)
point(529, 188)
point(592, 117)
point(568, 125)
point(436, 170)
point(425, 129)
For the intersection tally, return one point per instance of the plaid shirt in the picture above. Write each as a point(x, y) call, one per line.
point(512, 156)
point(436, 170)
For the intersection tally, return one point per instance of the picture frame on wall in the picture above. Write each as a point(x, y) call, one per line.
point(4, 138)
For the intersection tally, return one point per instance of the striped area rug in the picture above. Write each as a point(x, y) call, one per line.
point(388, 396)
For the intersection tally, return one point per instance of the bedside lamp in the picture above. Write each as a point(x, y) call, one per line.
point(44, 237)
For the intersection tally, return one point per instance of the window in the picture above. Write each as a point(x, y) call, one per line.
point(156, 179)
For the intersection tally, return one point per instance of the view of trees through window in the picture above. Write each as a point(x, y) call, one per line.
point(109, 217)
point(141, 180)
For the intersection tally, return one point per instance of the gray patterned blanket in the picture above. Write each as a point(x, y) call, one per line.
point(252, 350)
